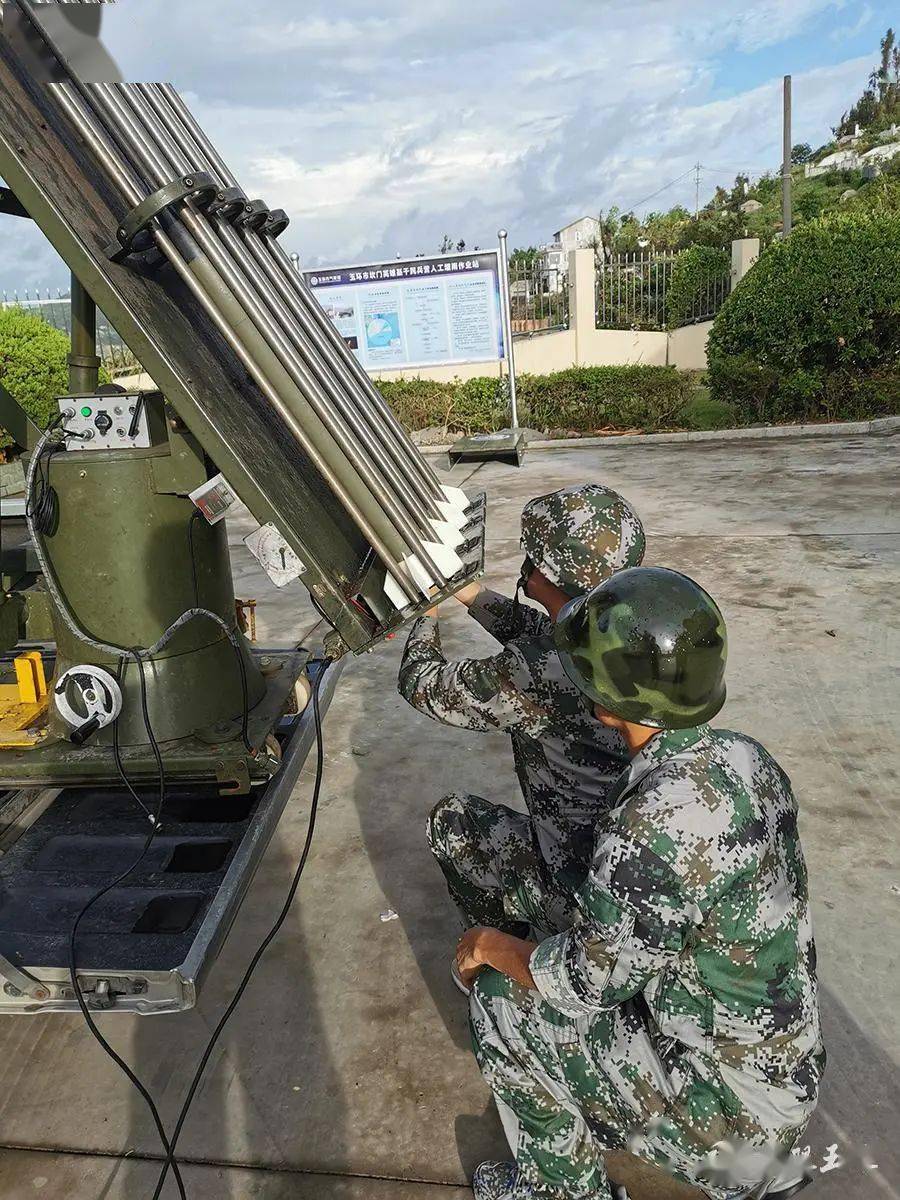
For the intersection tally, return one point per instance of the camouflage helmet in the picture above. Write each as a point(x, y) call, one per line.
point(579, 536)
point(648, 645)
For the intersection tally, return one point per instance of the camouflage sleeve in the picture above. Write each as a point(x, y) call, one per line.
point(504, 619)
point(474, 693)
point(634, 917)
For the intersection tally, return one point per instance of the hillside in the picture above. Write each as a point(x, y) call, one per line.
point(722, 218)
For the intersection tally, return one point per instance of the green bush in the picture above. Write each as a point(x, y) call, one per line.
point(697, 271)
point(33, 364)
point(814, 330)
point(580, 399)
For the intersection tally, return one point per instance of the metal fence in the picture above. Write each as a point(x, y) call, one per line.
point(57, 311)
point(538, 298)
point(633, 292)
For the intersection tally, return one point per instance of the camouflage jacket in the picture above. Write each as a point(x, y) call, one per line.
point(697, 899)
point(565, 760)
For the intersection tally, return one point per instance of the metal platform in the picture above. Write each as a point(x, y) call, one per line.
point(148, 944)
point(507, 445)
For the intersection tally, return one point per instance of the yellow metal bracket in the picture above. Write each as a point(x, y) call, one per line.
point(24, 703)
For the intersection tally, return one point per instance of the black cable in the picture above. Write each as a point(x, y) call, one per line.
point(120, 680)
point(73, 973)
point(42, 504)
point(195, 515)
point(261, 949)
point(245, 694)
point(235, 641)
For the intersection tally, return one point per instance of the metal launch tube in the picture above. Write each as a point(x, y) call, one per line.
point(329, 334)
point(220, 304)
point(186, 157)
point(329, 367)
point(313, 410)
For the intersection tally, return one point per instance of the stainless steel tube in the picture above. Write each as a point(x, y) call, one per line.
point(276, 324)
point(308, 311)
point(411, 491)
point(330, 443)
point(297, 285)
point(90, 125)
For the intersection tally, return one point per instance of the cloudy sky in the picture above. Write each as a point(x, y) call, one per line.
point(381, 127)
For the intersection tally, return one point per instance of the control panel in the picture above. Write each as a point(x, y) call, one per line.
point(105, 422)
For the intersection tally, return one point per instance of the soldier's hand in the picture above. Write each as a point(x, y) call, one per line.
point(469, 594)
point(484, 947)
point(468, 960)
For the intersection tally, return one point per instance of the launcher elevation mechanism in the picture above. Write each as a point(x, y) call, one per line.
point(117, 617)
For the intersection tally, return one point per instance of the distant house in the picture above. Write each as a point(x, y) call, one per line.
point(582, 234)
point(751, 206)
point(521, 289)
point(850, 139)
point(577, 235)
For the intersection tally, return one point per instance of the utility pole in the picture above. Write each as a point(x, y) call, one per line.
point(697, 170)
point(787, 215)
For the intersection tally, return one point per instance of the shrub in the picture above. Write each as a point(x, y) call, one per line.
point(697, 271)
point(814, 319)
point(581, 399)
point(33, 364)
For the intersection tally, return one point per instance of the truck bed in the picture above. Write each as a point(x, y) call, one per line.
point(153, 938)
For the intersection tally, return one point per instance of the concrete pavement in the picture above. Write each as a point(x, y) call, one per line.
point(345, 1074)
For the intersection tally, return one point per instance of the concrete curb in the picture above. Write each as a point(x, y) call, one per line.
point(878, 425)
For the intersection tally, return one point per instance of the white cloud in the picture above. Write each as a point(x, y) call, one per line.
point(380, 129)
point(844, 32)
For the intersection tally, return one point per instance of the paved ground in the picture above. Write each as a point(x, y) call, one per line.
point(345, 1074)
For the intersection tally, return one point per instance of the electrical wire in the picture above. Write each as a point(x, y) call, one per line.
point(120, 679)
point(260, 950)
point(232, 637)
point(108, 887)
point(665, 187)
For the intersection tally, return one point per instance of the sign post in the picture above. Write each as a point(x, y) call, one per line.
point(507, 445)
point(429, 312)
point(508, 330)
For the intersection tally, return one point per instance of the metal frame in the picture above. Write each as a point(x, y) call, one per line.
point(232, 401)
point(176, 990)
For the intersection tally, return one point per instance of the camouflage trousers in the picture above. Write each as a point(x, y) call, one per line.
point(494, 868)
point(577, 1087)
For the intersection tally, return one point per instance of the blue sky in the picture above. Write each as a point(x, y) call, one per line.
point(379, 128)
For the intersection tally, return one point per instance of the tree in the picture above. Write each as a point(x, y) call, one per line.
point(879, 103)
point(523, 257)
point(809, 204)
point(33, 366)
point(801, 153)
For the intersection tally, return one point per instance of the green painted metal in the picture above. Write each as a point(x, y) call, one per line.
point(216, 755)
point(130, 577)
point(16, 422)
point(84, 365)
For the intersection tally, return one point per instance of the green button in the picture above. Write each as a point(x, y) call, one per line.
point(86, 412)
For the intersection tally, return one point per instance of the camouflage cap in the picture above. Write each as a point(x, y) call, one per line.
point(648, 645)
point(579, 536)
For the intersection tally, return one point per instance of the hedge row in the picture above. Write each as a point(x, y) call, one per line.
point(697, 270)
point(580, 399)
point(813, 332)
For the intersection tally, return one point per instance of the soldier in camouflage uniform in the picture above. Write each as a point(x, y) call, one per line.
point(678, 1016)
point(505, 867)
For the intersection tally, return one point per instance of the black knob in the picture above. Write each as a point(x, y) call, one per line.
point(103, 421)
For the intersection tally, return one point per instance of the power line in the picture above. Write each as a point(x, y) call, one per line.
point(659, 191)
